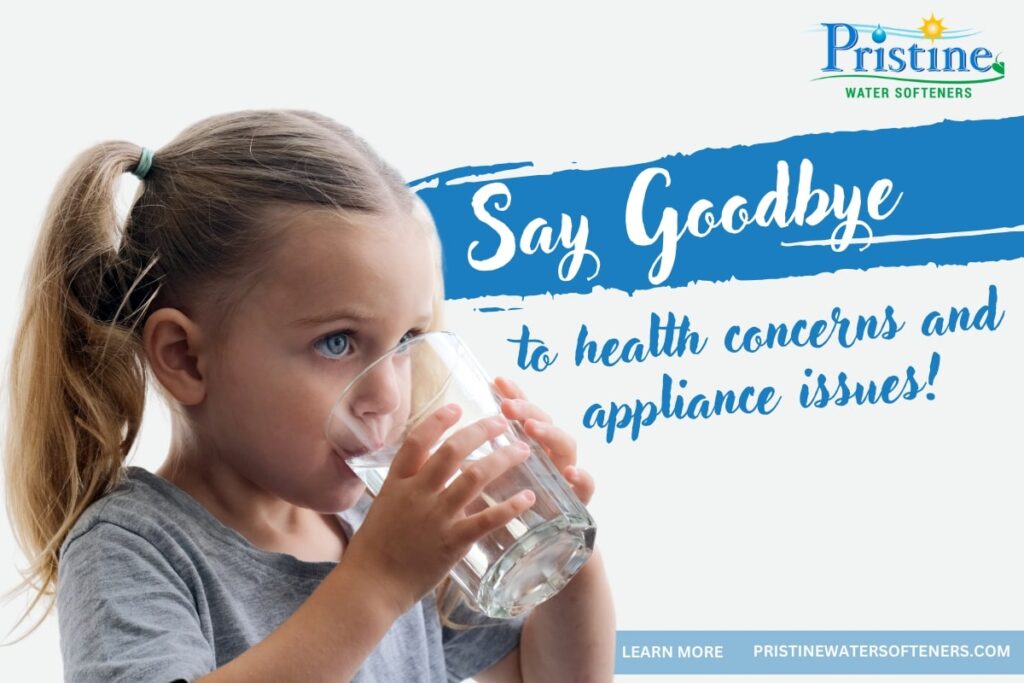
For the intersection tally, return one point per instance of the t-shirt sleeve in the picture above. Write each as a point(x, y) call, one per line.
point(469, 651)
point(125, 614)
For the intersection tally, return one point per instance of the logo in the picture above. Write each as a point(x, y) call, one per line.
point(932, 61)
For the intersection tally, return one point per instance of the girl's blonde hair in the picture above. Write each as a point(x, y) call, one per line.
point(198, 230)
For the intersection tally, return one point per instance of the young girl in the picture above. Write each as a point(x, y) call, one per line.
point(267, 257)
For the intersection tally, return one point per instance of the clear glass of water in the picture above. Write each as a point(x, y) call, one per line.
point(516, 566)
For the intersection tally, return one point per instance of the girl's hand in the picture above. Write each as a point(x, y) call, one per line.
point(416, 530)
point(560, 445)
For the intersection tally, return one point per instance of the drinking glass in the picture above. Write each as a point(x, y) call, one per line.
point(516, 566)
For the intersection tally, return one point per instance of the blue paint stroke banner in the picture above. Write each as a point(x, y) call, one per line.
point(819, 652)
point(947, 193)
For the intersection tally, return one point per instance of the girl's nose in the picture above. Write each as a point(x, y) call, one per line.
point(381, 390)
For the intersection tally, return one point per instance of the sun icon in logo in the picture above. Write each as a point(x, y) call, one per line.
point(932, 28)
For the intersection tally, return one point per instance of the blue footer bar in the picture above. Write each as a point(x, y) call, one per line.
point(819, 652)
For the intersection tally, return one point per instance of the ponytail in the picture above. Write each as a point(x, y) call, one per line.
point(77, 377)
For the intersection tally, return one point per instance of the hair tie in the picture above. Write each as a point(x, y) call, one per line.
point(145, 162)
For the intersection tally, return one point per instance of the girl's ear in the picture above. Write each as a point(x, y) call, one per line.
point(175, 348)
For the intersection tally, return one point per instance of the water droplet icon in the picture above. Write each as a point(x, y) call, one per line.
point(878, 35)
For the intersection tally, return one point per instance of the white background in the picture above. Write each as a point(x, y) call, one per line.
point(895, 517)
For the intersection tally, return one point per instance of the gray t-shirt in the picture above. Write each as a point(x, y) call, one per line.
point(152, 587)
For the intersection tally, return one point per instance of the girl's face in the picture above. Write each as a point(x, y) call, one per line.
point(337, 296)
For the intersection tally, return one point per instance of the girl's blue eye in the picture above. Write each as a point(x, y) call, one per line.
point(411, 334)
point(335, 345)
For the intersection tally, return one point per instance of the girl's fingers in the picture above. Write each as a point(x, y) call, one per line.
point(446, 460)
point(559, 444)
point(471, 482)
point(581, 482)
point(473, 527)
point(508, 388)
point(522, 410)
point(416, 448)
